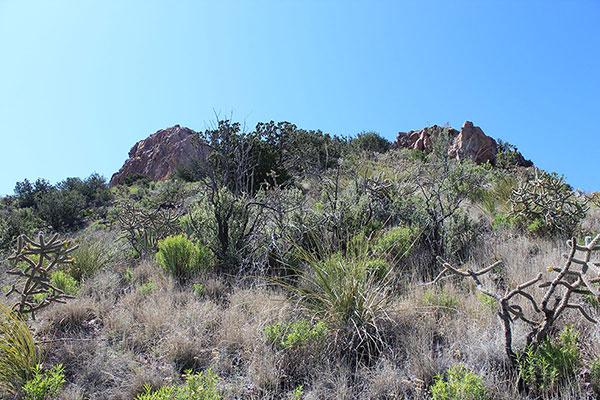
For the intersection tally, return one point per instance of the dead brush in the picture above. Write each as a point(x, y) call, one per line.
point(576, 278)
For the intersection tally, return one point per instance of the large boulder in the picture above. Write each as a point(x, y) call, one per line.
point(160, 154)
point(472, 144)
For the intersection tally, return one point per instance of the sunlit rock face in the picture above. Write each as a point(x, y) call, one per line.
point(470, 143)
point(160, 154)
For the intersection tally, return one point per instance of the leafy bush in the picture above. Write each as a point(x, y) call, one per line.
point(395, 243)
point(284, 335)
point(137, 179)
point(550, 363)
point(199, 386)
point(181, 257)
point(62, 281)
point(19, 357)
point(370, 141)
point(459, 384)
point(45, 385)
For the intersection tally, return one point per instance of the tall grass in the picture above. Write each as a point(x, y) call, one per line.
point(348, 295)
point(19, 357)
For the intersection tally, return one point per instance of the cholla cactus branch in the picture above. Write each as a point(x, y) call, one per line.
point(40, 258)
point(144, 228)
point(569, 281)
point(549, 198)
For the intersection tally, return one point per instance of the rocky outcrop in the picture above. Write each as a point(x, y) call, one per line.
point(160, 154)
point(472, 144)
point(468, 144)
point(421, 140)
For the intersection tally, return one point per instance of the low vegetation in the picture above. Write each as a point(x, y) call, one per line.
point(294, 264)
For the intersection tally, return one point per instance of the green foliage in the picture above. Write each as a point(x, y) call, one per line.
point(226, 224)
point(459, 384)
point(396, 242)
point(35, 262)
point(45, 385)
point(93, 254)
point(61, 281)
point(545, 204)
point(65, 205)
point(487, 302)
point(550, 362)
point(65, 282)
point(137, 179)
point(181, 257)
point(445, 184)
point(460, 235)
point(198, 386)
point(198, 289)
point(441, 299)
point(147, 288)
point(284, 335)
point(344, 293)
point(297, 393)
point(143, 228)
point(370, 141)
point(20, 221)
point(595, 375)
point(19, 356)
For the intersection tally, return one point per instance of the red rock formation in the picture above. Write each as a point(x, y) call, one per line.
point(160, 154)
point(472, 144)
point(421, 140)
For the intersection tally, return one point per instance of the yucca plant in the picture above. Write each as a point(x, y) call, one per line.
point(346, 293)
point(19, 357)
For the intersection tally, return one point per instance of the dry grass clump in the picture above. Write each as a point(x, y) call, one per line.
point(76, 316)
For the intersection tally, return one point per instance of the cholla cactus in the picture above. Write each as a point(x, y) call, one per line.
point(576, 278)
point(144, 228)
point(34, 261)
point(549, 199)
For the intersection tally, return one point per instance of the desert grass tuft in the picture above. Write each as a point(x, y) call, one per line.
point(19, 356)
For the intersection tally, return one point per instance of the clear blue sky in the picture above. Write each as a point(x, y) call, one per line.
point(82, 81)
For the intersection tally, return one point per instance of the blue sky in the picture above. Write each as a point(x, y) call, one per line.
point(82, 81)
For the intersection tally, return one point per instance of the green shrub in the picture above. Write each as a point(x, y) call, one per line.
point(199, 289)
point(550, 363)
point(45, 385)
point(181, 257)
point(370, 141)
point(396, 243)
point(62, 281)
point(459, 384)
point(65, 282)
point(19, 357)
point(147, 288)
point(441, 299)
point(487, 302)
point(297, 393)
point(198, 386)
point(284, 335)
